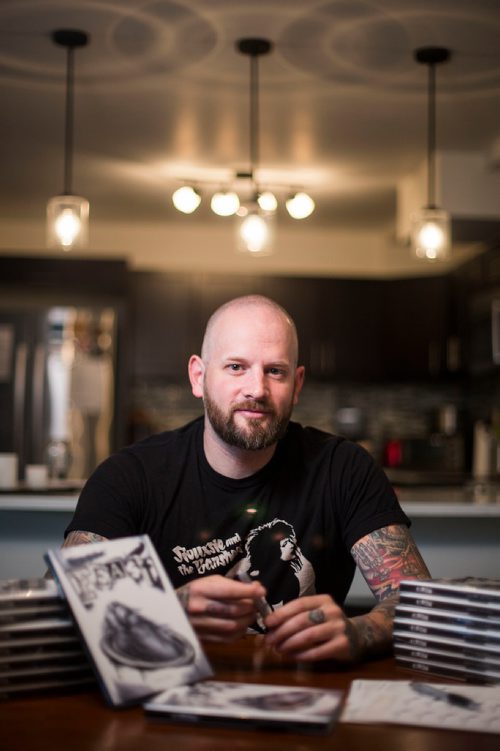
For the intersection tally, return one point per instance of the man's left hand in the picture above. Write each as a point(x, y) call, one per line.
point(312, 628)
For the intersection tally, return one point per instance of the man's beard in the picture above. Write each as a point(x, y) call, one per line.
point(254, 436)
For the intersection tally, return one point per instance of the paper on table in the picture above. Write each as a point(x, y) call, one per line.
point(371, 701)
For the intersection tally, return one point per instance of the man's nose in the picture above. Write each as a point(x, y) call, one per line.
point(255, 384)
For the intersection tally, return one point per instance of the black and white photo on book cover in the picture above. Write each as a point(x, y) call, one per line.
point(128, 614)
point(263, 705)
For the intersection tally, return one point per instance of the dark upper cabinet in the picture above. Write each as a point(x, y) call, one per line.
point(349, 329)
point(476, 295)
point(162, 332)
point(417, 336)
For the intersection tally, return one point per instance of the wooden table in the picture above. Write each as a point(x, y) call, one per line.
point(83, 722)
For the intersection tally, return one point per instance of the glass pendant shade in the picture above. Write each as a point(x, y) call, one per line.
point(300, 205)
point(431, 234)
point(186, 199)
point(225, 203)
point(67, 222)
point(256, 233)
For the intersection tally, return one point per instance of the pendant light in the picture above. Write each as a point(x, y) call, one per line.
point(68, 214)
point(431, 233)
point(256, 217)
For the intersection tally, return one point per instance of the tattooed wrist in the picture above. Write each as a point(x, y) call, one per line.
point(353, 637)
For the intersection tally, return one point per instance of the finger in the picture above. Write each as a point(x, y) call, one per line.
point(225, 609)
point(221, 587)
point(200, 605)
point(334, 649)
point(221, 629)
point(299, 606)
point(301, 609)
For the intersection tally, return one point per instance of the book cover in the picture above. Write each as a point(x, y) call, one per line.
point(441, 613)
point(484, 636)
point(471, 588)
point(477, 674)
point(441, 601)
point(294, 708)
point(454, 641)
point(129, 617)
point(464, 657)
point(457, 707)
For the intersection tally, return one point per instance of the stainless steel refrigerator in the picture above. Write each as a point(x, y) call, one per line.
point(58, 386)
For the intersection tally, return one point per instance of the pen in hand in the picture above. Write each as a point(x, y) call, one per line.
point(440, 694)
point(261, 603)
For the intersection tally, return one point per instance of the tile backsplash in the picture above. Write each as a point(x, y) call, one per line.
point(372, 413)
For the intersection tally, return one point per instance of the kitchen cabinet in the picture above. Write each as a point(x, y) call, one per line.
point(416, 321)
point(162, 330)
point(476, 285)
point(349, 329)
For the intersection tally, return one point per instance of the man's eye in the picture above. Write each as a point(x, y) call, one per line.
point(234, 366)
point(277, 371)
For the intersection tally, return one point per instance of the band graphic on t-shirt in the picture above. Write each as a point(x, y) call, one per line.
point(269, 554)
point(273, 557)
point(209, 557)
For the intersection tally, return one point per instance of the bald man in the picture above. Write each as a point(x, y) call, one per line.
point(259, 521)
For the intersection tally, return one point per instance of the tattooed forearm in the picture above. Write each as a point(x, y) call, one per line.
point(77, 538)
point(81, 538)
point(371, 634)
point(385, 557)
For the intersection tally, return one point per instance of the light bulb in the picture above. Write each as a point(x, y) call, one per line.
point(255, 234)
point(300, 205)
point(67, 222)
point(267, 201)
point(225, 203)
point(67, 226)
point(186, 199)
point(431, 234)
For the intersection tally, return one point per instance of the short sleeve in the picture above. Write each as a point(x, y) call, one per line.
point(111, 500)
point(364, 498)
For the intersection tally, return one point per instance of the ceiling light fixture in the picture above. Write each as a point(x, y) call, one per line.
point(431, 233)
point(255, 215)
point(67, 214)
point(255, 230)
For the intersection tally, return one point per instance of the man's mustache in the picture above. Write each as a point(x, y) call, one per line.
point(253, 406)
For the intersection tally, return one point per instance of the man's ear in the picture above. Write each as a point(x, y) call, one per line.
point(299, 382)
point(196, 370)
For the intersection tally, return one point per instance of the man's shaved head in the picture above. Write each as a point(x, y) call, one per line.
point(248, 302)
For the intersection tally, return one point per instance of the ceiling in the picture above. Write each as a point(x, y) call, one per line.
point(162, 95)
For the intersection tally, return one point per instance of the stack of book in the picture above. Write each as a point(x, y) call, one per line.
point(450, 627)
point(39, 647)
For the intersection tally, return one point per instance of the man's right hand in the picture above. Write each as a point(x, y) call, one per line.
point(220, 609)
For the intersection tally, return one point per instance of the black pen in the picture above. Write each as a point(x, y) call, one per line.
point(440, 694)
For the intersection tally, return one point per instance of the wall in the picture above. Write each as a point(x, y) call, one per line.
point(189, 244)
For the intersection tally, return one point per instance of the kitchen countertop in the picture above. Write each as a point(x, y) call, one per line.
point(479, 500)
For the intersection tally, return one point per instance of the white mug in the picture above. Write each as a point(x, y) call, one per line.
point(37, 475)
point(8, 471)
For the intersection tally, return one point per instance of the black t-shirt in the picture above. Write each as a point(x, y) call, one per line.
point(291, 525)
